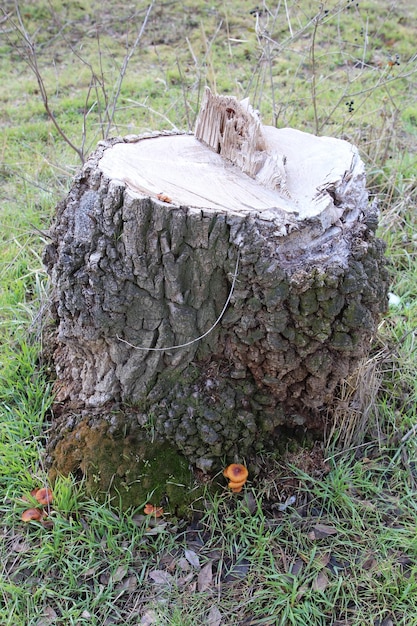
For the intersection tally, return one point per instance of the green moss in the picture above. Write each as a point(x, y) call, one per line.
point(119, 460)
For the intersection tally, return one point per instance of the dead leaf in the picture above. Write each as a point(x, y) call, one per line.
point(155, 526)
point(192, 558)
point(369, 563)
point(288, 502)
point(404, 561)
point(183, 564)
point(20, 545)
point(128, 584)
point(161, 577)
point(296, 567)
point(250, 502)
point(205, 577)
point(149, 618)
point(191, 589)
point(323, 559)
point(301, 591)
point(139, 519)
point(163, 197)
point(89, 572)
point(237, 571)
point(214, 617)
point(49, 617)
point(335, 565)
point(320, 531)
point(184, 580)
point(104, 579)
point(119, 574)
point(320, 582)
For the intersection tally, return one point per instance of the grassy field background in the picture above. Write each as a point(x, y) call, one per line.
point(323, 537)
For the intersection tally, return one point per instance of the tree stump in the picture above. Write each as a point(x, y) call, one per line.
point(219, 285)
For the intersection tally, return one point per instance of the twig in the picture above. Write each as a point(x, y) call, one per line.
point(409, 434)
point(314, 72)
point(110, 115)
point(186, 105)
point(143, 105)
point(32, 60)
point(288, 19)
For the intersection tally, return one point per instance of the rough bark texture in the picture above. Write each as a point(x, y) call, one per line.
point(129, 267)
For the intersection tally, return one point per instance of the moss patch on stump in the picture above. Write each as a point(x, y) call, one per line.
point(121, 460)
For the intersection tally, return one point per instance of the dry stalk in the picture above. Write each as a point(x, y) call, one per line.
point(97, 83)
point(30, 57)
point(356, 408)
point(111, 113)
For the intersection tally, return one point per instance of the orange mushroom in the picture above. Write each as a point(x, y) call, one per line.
point(233, 485)
point(156, 511)
point(32, 515)
point(237, 475)
point(44, 496)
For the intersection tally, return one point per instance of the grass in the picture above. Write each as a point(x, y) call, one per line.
point(344, 552)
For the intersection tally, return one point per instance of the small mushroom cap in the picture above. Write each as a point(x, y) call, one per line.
point(237, 484)
point(236, 489)
point(44, 496)
point(150, 509)
point(236, 473)
point(32, 515)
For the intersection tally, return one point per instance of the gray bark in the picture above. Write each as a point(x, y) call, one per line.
point(131, 272)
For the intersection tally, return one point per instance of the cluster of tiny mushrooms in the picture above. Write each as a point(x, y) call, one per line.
point(236, 473)
point(43, 497)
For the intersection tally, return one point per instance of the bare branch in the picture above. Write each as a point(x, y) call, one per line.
point(110, 114)
point(30, 57)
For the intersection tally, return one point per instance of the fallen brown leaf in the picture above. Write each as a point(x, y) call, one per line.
point(369, 563)
point(301, 591)
point(296, 567)
point(184, 580)
point(160, 577)
point(321, 582)
point(183, 564)
point(205, 577)
point(192, 558)
point(323, 559)
point(214, 617)
point(20, 545)
point(320, 531)
point(49, 617)
point(128, 584)
point(149, 618)
point(119, 574)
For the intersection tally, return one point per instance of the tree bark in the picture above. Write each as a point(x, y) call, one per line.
point(159, 232)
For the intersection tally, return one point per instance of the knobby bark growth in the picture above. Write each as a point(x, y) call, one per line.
point(157, 233)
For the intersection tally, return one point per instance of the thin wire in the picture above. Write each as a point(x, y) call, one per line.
point(189, 343)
